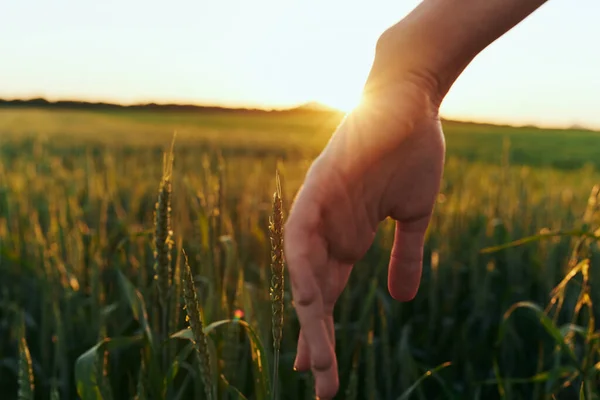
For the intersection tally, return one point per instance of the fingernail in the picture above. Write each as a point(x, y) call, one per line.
point(295, 367)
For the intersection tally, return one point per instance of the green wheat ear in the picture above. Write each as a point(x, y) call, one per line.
point(26, 383)
point(194, 317)
point(163, 244)
point(277, 278)
point(163, 237)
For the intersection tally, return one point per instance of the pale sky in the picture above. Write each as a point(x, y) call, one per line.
point(278, 53)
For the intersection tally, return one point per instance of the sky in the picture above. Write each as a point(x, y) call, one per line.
point(281, 53)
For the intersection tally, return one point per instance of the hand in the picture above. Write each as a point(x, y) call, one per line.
point(384, 160)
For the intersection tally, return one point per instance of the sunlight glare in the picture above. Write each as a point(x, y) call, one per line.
point(344, 102)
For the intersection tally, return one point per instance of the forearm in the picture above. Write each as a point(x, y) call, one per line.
point(440, 38)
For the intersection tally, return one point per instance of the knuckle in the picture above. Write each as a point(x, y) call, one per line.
point(321, 362)
point(386, 41)
point(305, 296)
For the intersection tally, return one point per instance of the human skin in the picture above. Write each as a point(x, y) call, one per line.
point(384, 160)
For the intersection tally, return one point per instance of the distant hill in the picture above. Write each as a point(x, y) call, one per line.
point(312, 107)
point(316, 106)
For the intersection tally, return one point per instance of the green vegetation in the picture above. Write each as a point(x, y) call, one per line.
point(293, 134)
point(103, 241)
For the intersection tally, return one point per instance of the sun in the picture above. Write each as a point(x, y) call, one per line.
point(345, 102)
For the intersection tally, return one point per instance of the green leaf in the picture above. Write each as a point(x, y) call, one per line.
point(129, 236)
point(410, 390)
point(109, 309)
point(232, 390)
point(535, 238)
point(25, 373)
point(54, 393)
point(176, 364)
point(585, 393)
point(86, 373)
point(568, 328)
point(540, 377)
point(262, 383)
point(187, 332)
point(499, 380)
point(546, 322)
point(362, 325)
point(137, 305)
point(367, 305)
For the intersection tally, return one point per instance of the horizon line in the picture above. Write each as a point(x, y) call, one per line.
point(309, 106)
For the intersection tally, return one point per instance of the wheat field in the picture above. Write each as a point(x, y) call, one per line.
point(137, 266)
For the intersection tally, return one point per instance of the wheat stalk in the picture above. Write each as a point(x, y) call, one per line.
point(105, 388)
point(141, 384)
point(352, 389)
point(163, 243)
point(26, 385)
point(371, 365)
point(194, 317)
point(277, 278)
point(163, 237)
point(175, 296)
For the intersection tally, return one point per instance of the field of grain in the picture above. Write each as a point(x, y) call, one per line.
point(94, 225)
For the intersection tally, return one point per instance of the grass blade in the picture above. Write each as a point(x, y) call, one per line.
point(25, 380)
point(546, 322)
point(232, 390)
point(414, 386)
point(176, 364)
point(262, 383)
point(136, 303)
point(86, 367)
point(541, 236)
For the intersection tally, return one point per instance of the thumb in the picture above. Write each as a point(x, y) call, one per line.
point(406, 262)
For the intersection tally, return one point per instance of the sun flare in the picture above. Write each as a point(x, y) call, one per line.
point(345, 102)
point(343, 97)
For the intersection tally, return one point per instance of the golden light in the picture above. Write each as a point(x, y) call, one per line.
point(345, 102)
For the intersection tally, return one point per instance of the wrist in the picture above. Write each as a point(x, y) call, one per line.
point(399, 63)
point(438, 39)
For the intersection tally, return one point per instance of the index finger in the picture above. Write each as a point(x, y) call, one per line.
point(309, 307)
point(306, 254)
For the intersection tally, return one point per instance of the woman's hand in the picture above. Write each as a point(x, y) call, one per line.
point(384, 160)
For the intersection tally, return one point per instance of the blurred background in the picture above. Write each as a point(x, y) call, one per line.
point(97, 200)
